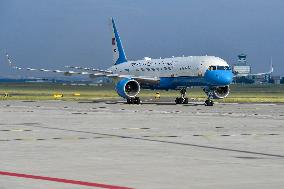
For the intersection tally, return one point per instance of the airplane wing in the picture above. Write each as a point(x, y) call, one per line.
point(89, 69)
point(93, 74)
point(108, 73)
point(265, 73)
point(67, 73)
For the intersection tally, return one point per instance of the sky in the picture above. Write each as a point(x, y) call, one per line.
point(55, 33)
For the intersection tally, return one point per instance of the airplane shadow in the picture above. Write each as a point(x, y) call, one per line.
point(159, 103)
point(174, 104)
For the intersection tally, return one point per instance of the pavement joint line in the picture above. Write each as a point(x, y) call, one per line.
point(61, 180)
point(55, 138)
point(242, 134)
point(166, 142)
point(15, 130)
point(159, 136)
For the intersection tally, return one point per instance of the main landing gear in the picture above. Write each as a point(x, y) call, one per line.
point(133, 100)
point(182, 99)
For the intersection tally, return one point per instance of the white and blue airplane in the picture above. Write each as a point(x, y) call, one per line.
point(211, 73)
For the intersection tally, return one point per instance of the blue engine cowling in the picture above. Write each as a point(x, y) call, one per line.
point(217, 92)
point(127, 88)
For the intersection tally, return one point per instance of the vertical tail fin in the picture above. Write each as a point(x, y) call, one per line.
point(117, 48)
point(271, 66)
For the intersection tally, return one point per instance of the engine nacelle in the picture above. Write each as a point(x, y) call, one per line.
point(127, 88)
point(92, 76)
point(217, 92)
point(67, 74)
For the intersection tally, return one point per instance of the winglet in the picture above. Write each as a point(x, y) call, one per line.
point(10, 61)
point(117, 47)
point(8, 58)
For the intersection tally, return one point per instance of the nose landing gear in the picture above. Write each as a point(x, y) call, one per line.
point(182, 99)
point(209, 101)
point(133, 100)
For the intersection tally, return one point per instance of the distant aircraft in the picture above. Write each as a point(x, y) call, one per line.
point(256, 74)
point(211, 73)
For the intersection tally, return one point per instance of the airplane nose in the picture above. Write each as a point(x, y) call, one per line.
point(226, 78)
point(219, 77)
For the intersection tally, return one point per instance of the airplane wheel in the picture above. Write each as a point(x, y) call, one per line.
point(137, 100)
point(209, 102)
point(178, 100)
point(185, 101)
point(130, 101)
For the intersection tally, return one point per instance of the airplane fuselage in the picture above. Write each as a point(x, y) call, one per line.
point(178, 72)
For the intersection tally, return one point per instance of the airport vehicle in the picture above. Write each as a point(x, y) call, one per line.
point(211, 73)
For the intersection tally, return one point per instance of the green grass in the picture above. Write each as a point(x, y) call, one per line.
point(45, 91)
point(256, 93)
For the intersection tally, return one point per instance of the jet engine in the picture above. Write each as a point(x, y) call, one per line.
point(217, 92)
point(127, 88)
point(67, 74)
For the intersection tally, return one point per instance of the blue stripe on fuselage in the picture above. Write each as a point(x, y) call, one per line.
point(177, 82)
point(211, 78)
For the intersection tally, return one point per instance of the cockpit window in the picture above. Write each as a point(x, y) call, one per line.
point(212, 68)
point(219, 68)
point(223, 68)
point(227, 68)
